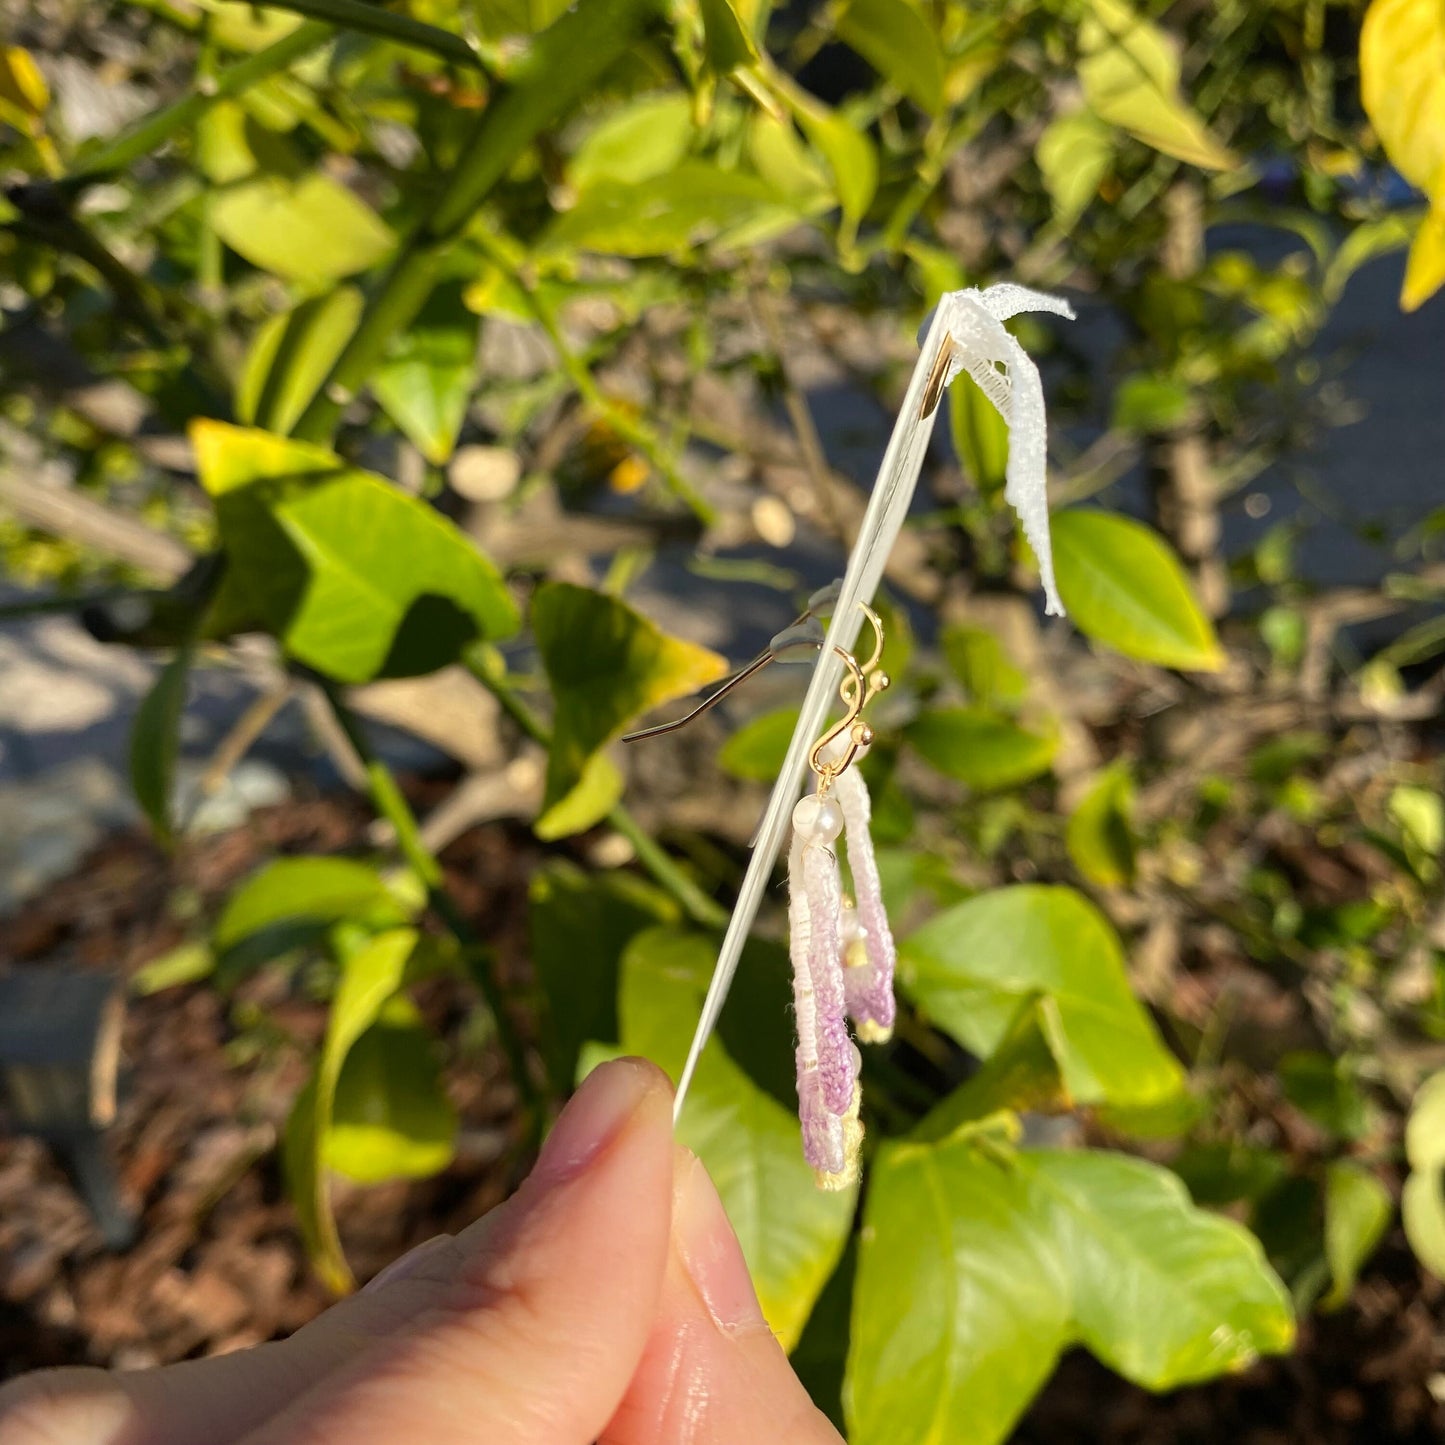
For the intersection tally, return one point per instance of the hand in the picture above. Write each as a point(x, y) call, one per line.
point(606, 1301)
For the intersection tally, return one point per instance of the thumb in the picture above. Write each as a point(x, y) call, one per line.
point(712, 1373)
point(526, 1328)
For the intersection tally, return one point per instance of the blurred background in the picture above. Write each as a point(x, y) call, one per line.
point(613, 307)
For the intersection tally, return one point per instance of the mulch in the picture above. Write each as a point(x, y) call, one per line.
point(218, 1265)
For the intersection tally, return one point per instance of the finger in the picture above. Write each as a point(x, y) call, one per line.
point(712, 1373)
point(583, 1241)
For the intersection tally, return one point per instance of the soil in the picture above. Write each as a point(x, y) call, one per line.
point(217, 1264)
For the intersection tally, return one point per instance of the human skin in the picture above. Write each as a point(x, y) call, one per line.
point(607, 1301)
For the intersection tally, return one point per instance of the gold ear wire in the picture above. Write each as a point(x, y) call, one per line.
point(878, 680)
point(854, 693)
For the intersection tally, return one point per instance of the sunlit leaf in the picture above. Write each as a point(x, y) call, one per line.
point(428, 377)
point(1074, 154)
point(309, 229)
point(1425, 268)
point(391, 1118)
point(354, 577)
point(1422, 1202)
point(980, 436)
point(292, 355)
point(1130, 73)
point(971, 967)
point(688, 206)
point(981, 748)
point(727, 45)
point(647, 137)
point(900, 44)
point(977, 1269)
point(306, 894)
point(1402, 84)
point(978, 660)
point(1358, 1209)
point(606, 664)
point(370, 977)
point(1100, 835)
point(1123, 586)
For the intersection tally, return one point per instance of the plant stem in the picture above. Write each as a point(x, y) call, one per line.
point(565, 61)
point(665, 873)
point(389, 802)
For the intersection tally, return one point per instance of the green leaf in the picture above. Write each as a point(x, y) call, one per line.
point(756, 751)
point(188, 962)
point(792, 1233)
point(900, 44)
point(1327, 1090)
point(369, 978)
point(727, 45)
point(1124, 587)
point(155, 741)
point(981, 748)
point(636, 142)
point(292, 355)
point(1100, 836)
point(595, 794)
point(960, 1309)
point(355, 578)
point(694, 203)
point(971, 967)
point(579, 925)
point(1422, 1202)
point(428, 377)
point(1130, 74)
point(305, 893)
point(1145, 403)
point(1163, 1293)
point(980, 436)
point(391, 1118)
point(1023, 1074)
point(978, 660)
point(1074, 155)
point(606, 664)
point(976, 1271)
point(309, 229)
point(1358, 1210)
point(778, 154)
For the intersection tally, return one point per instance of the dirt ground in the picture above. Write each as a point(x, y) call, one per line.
point(218, 1265)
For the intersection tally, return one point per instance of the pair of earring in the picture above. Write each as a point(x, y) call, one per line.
point(842, 950)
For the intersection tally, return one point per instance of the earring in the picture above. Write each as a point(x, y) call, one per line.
point(827, 1062)
point(870, 956)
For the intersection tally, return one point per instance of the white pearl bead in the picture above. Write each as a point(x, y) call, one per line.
point(817, 820)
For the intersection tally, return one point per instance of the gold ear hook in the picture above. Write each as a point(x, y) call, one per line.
point(854, 693)
point(878, 680)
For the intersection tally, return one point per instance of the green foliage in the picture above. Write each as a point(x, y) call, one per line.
point(371, 976)
point(353, 577)
point(979, 1266)
point(1422, 1204)
point(606, 665)
point(981, 748)
point(971, 967)
point(1124, 587)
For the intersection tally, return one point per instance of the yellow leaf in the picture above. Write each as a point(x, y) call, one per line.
point(1425, 270)
point(22, 86)
point(1402, 83)
point(1130, 73)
